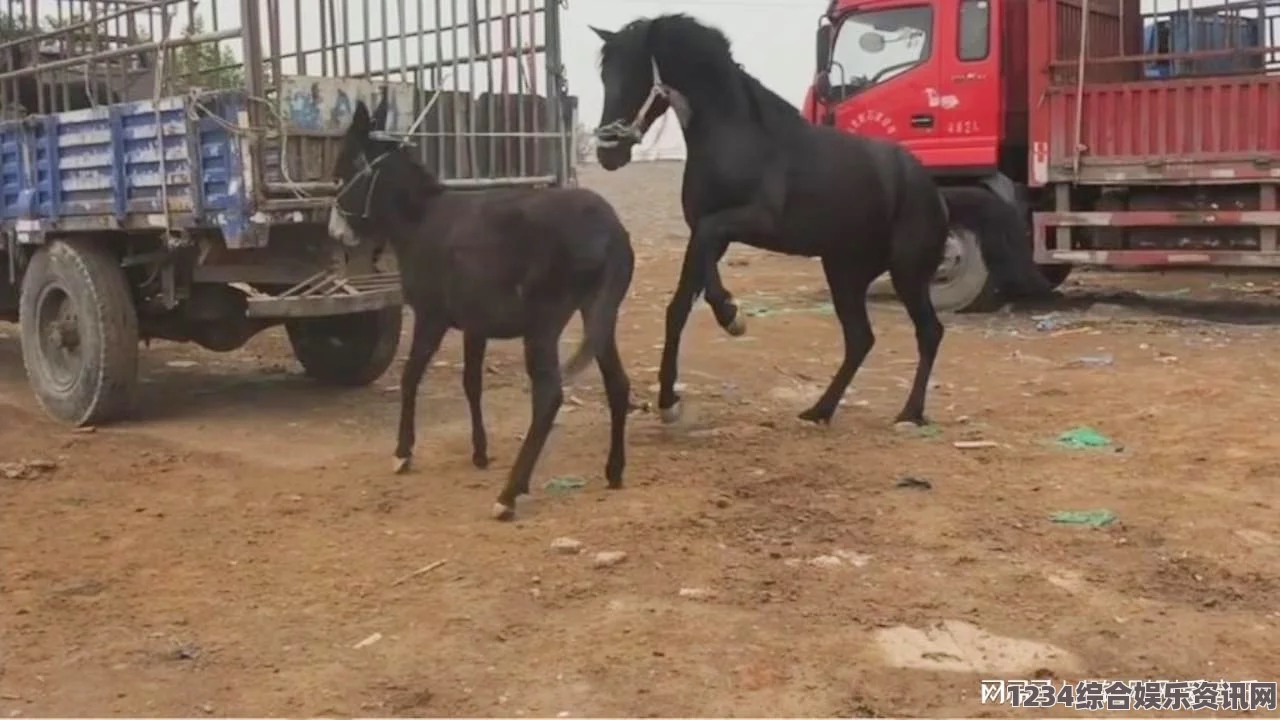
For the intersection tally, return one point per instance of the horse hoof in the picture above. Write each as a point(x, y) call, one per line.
point(671, 414)
point(400, 465)
point(480, 461)
point(816, 416)
point(502, 512)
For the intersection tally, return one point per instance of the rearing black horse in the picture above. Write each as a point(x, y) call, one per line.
point(757, 172)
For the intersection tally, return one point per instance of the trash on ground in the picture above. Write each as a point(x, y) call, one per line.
point(1081, 438)
point(1092, 518)
point(564, 484)
point(914, 483)
point(1102, 360)
point(367, 641)
point(26, 469)
point(974, 444)
point(924, 431)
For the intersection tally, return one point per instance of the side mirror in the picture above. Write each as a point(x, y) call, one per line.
point(823, 48)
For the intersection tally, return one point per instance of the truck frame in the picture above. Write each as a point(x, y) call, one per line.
point(163, 180)
point(1127, 138)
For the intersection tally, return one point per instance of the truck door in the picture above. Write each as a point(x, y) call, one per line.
point(884, 72)
point(969, 64)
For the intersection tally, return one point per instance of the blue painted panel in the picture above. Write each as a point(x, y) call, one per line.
point(104, 165)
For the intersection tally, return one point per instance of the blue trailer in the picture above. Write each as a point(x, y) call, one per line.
point(198, 214)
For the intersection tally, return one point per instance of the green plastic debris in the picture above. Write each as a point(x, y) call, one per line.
point(564, 484)
point(1092, 518)
point(929, 431)
point(1082, 438)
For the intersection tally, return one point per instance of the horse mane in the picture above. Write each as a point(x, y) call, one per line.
point(696, 47)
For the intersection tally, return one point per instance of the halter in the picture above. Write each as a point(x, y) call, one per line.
point(613, 134)
point(368, 168)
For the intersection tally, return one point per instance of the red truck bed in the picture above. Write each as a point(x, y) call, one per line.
point(1118, 127)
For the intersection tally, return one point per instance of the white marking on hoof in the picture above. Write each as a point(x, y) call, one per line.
point(502, 512)
point(671, 414)
point(399, 466)
point(738, 326)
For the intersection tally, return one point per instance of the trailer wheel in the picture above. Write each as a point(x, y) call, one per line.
point(79, 332)
point(348, 350)
point(962, 282)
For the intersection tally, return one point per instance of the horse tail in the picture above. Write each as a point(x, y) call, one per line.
point(600, 315)
point(1002, 238)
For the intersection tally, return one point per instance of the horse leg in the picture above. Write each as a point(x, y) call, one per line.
point(617, 388)
point(848, 279)
point(542, 363)
point(710, 241)
point(428, 331)
point(911, 281)
point(678, 309)
point(473, 347)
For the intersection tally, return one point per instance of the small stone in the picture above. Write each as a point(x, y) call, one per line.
point(692, 593)
point(566, 546)
point(855, 559)
point(608, 558)
point(207, 708)
point(826, 561)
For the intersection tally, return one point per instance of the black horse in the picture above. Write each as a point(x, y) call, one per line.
point(758, 173)
point(512, 263)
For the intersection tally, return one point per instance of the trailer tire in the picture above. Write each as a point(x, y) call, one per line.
point(962, 282)
point(79, 332)
point(349, 350)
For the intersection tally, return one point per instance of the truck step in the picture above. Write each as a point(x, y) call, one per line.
point(328, 293)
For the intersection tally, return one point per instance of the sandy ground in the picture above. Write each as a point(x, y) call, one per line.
point(241, 548)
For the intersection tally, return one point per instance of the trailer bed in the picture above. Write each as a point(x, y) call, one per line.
point(1131, 114)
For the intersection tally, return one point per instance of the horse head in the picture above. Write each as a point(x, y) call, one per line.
point(362, 160)
point(634, 94)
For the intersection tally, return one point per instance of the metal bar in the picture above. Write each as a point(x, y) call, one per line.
point(69, 29)
point(453, 183)
point(1153, 258)
point(1158, 218)
point(120, 52)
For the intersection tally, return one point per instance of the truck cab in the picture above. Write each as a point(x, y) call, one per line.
point(930, 75)
point(922, 73)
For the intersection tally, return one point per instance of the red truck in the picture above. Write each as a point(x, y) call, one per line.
point(1127, 138)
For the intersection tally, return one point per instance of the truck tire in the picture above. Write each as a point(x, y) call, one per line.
point(79, 332)
point(349, 350)
point(962, 282)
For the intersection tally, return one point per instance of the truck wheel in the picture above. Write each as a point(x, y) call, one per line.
point(79, 332)
point(349, 350)
point(962, 282)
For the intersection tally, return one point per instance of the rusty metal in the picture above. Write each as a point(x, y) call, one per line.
point(329, 293)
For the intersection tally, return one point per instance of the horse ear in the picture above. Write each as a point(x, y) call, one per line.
point(361, 125)
point(380, 115)
point(604, 35)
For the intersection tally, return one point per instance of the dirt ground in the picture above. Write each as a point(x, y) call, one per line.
point(243, 549)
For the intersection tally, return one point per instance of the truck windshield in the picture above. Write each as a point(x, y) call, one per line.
point(875, 46)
